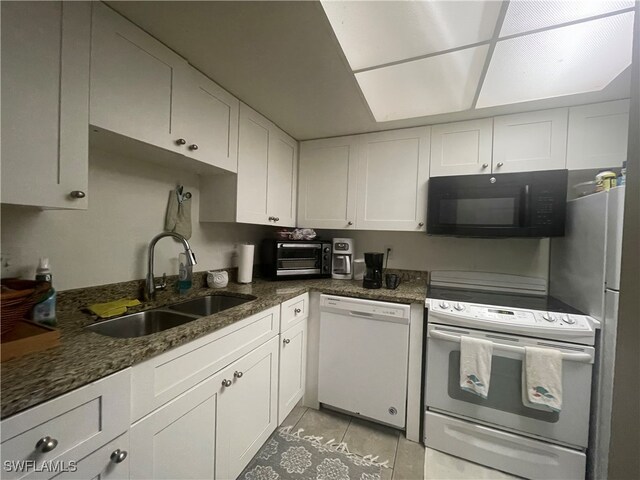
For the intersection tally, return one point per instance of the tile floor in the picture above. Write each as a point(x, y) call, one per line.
point(407, 460)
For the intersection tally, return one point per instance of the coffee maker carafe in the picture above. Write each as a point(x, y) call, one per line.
point(342, 259)
point(373, 273)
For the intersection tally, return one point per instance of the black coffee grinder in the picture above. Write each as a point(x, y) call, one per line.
point(373, 273)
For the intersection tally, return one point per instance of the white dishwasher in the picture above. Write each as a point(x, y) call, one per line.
point(364, 353)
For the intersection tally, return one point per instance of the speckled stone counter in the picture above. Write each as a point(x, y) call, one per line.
point(84, 356)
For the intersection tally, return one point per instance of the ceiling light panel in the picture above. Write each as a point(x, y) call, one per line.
point(433, 85)
point(580, 58)
point(375, 33)
point(527, 15)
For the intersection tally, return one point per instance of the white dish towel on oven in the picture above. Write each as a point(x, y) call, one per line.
point(475, 365)
point(542, 379)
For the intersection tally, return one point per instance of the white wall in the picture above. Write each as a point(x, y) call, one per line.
point(418, 251)
point(108, 242)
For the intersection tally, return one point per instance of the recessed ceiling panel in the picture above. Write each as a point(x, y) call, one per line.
point(526, 15)
point(438, 84)
point(375, 33)
point(580, 58)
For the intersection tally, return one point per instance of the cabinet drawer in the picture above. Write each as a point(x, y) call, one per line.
point(78, 423)
point(162, 378)
point(294, 310)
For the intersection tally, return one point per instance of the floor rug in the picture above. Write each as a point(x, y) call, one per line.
point(288, 455)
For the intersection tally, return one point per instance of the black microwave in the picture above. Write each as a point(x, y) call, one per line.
point(529, 204)
point(289, 259)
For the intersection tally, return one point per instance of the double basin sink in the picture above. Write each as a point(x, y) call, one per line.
point(153, 321)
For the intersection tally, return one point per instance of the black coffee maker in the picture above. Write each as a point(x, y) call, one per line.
point(373, 273)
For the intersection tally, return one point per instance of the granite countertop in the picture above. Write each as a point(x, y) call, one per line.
point(84, 357)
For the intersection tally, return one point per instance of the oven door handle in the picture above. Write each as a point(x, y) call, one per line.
point(574, 357)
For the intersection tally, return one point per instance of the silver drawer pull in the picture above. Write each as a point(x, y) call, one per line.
point(238, 374)
point(46, 444)
point(286, 341)
point(118, 456)
point(226, 383)
point(297, 311)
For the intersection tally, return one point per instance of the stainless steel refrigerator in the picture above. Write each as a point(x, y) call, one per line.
point(585, 273)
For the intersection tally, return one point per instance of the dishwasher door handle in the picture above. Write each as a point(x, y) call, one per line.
point(360, 314)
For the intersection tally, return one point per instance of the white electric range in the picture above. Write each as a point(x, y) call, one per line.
point(513, 312)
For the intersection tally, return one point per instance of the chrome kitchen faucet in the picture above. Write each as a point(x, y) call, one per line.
point(150, 286)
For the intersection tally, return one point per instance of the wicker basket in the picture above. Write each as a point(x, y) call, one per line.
point(18, 300)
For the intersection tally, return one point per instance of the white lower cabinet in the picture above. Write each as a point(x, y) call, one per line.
point(178, 440)
point(110, 462)
point(248, 409)
point(215, 428)
point(293, 363)
point(65, 429)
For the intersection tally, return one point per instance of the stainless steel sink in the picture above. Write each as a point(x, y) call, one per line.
point(141, 323)
point(210, 304)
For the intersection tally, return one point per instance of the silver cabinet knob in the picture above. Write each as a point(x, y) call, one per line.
point(46, 444)
point(276, 219)
point(500, 164)
point(193, 147)
point(349, 223)
point(421, 224)
point(77, 194)
point(286, 341)
point(181, 141)
point(271, 219)
point(297, 311)
point(485, 165)
point(238, 374)
point(118, 456)
point(226, 383)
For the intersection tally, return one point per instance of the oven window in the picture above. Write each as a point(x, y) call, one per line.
point(500, 211)
point(298, 253)
point(505, 388)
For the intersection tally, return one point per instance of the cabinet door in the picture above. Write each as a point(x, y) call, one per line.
point(100, 466)
point(598, 135)
point(179, 439)
point(531, 141)
point(392, 173)
point(327, 183)
point(45, 103)
point(206, 116)
point(132, 81)
point(293, 364)
point(461, 148)
point(253, 172)
point(248, 411)
point(282, 179)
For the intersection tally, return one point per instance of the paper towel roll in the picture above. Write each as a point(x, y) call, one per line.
point(245, 263)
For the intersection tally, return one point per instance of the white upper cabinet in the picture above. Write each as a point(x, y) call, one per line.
point(206, 117)
point(527, 142)
point(327, 183)
point(45, 103)
point(142, 90)
point(598, 135)
point(461, 148)
point(264, 190)
point(393, 169)
point(133, 79)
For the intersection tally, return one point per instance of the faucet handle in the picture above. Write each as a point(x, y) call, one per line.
point(163, 284)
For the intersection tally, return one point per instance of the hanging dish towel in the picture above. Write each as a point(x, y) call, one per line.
point(475, 365)
point(178, 218)
point(111, 309)
point(542, 379)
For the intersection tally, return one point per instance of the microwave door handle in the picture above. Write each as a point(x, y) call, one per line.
point(526, 207)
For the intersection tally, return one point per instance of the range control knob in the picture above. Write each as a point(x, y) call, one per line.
point(568, 320)
point(444, 305)
point(327, 249)
point(459, 307)
point(548, 317)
